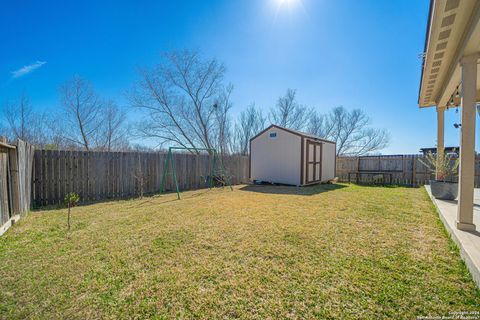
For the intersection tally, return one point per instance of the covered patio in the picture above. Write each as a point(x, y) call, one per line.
point(450, 78)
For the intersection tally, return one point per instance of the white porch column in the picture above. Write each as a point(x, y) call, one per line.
point(467, 144)
point(440, 133)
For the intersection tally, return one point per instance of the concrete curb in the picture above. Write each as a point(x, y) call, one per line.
point(464, 252)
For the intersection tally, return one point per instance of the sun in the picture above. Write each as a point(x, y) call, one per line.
point(287, 8)
point(287, 3)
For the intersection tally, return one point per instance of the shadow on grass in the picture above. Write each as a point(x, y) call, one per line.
point(293, 190)
point(148, 199)
point(86, 203)
point(379, 185)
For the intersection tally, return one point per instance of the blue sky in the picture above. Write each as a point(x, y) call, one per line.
point(359, 54)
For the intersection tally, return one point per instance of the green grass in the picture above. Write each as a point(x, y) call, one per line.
point(327, 252)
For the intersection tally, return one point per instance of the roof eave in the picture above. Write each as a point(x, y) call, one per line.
point(425, 47)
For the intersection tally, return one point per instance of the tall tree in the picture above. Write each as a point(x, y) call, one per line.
point(317, 124)
point(222, 128)
point(250, 122)
point(89, 121)
point(81, 116)
point(113, 131)
point(179, 98)
point(350, 130)
point(23, 122)
point(288, 112)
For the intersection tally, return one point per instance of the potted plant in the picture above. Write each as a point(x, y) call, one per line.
point(444, 166)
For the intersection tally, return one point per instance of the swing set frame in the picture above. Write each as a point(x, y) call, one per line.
point(216, 167)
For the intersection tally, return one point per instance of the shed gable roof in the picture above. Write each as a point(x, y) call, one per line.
point(298, 133)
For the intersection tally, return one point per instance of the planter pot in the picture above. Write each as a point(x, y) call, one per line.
point(444, 190)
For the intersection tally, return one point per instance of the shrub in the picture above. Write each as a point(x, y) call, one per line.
point(441, 164)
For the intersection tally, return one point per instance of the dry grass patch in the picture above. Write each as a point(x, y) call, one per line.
point(331, 251)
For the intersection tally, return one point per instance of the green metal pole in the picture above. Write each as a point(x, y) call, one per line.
point(165, 169)
point(175, 178)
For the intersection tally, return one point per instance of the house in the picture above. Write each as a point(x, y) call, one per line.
point(446, 150)
point(450, 78)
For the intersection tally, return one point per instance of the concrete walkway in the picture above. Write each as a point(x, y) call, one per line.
point(468, 242)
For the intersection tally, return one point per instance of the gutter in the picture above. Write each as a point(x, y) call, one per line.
point(427, 37)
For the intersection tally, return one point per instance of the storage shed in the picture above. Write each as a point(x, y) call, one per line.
point(281, 155)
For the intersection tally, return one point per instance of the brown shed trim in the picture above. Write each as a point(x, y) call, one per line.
point(314, 162)
point(321, 162)
point(307, 157)
point(302, 160)
point(314, 143)
point(250, 160)
point(335, 167)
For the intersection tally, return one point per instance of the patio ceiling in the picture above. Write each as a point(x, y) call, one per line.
point(453, 31)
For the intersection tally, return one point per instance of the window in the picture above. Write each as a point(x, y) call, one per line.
point(273, 135)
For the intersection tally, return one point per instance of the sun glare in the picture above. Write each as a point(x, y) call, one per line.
point(286, 2)
point(287, 8)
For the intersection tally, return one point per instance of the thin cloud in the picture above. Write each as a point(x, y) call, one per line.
point(27, 69)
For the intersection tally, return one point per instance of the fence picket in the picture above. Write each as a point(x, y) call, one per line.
point(405, 169)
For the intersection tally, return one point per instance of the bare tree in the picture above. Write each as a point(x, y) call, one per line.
point(88, 121)
point(250, 123)
point(288, 112)
point(23, 122)
point(113, 131)
point(141, 148)
point(56, 133)
point(317, 124)
point(222, 128)
point(17, 114)
point(82, 113)
point(350, 130)
point(179, 98)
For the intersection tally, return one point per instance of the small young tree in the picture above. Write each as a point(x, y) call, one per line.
point(140, 180)
point(71, 200)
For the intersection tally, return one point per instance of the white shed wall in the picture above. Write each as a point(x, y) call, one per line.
point(328, 161)
point(276, 159)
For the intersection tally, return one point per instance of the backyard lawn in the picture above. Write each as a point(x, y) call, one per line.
point(330, 251)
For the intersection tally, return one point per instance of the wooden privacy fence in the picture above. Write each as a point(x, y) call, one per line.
point(16, 162)
point(116, 175)
point(405, 169)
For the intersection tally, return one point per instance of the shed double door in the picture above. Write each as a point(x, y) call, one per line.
point(314, 162)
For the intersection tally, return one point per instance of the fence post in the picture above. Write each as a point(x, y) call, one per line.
point(14, 176)
point(414, 171)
